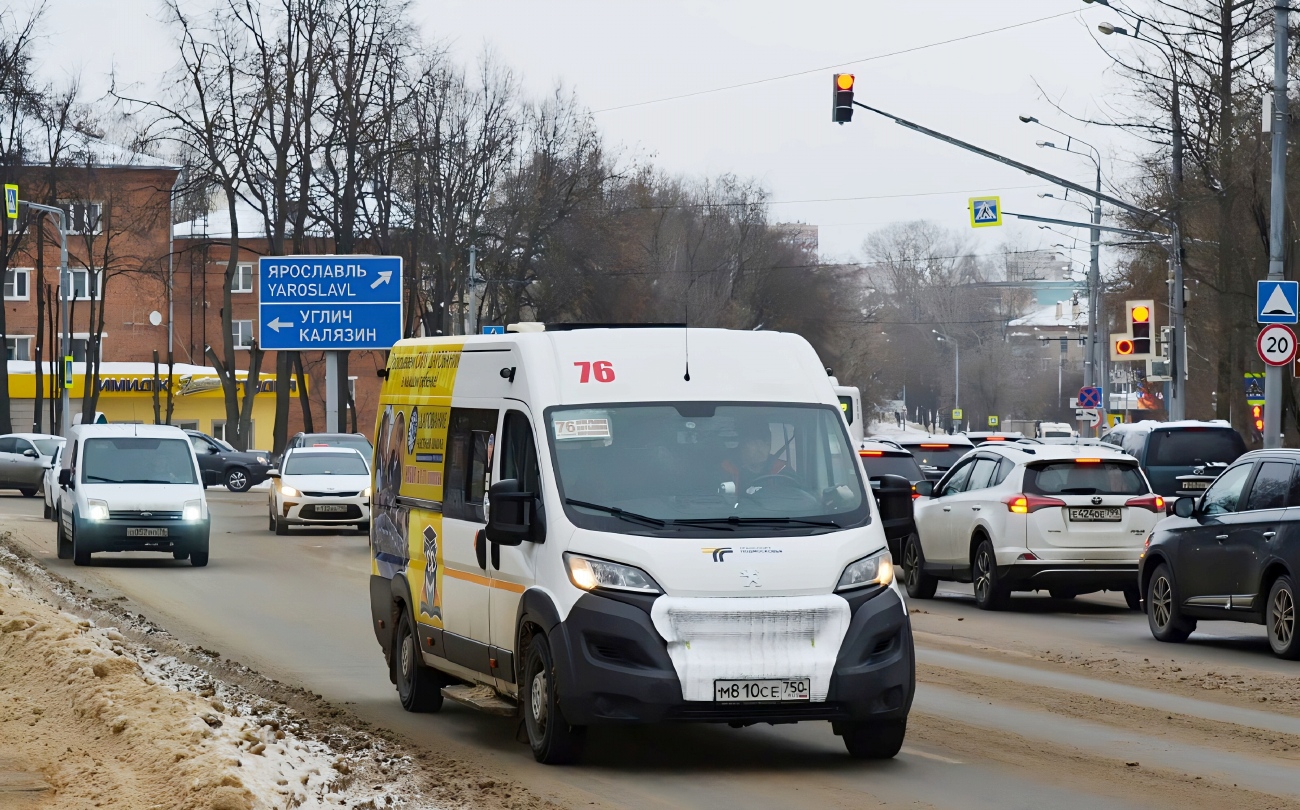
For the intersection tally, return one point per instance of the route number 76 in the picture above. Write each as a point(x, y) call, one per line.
point(602, 370)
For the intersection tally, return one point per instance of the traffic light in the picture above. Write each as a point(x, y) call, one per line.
point(842, 98)
point(1139, 318)
point(1135, 342)
point(1257, 417)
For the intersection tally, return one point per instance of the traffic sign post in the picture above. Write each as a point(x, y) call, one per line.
point(1254, 383)
point(1277, 301)
point(332, 304)
point(1276, 345)
point(956, 414)
point(993, 421)
point(11, 201)
point(985, 212)
point(494, 329)
point(1090, 397)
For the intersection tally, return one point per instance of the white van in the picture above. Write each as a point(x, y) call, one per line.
point(629, 525)
point(131, 488)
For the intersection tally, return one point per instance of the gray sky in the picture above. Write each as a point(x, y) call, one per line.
point(632, 51)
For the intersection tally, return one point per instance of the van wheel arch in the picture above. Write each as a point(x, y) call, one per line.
point(401, 603)
point(537, 614)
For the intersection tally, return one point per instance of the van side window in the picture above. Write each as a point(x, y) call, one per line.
point(519, 454)
point(470, 440)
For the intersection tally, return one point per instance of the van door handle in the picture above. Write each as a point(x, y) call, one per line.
point(1270, 534)
point(1220, 537)
point(976, 508)
point(947, 509)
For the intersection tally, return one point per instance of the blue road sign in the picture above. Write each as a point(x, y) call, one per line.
point(494, 330)
point(329, 303)
point(1277, 301)
point(1090, 397)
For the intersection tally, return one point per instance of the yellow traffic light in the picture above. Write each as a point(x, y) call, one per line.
point(844, 81)
point(1141, 314)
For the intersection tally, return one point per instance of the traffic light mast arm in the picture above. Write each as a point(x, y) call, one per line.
point(1015, 164)
point(1107, 228)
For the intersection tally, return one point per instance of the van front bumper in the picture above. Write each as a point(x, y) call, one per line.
point(616, 669)
point(113, 535)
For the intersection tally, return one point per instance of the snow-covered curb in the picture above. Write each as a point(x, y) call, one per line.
point(96, 714)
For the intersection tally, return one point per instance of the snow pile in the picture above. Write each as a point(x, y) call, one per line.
point(106, 721)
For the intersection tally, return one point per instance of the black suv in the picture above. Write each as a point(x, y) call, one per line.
point(1167, 450)
point(237, 470)
point(1231, 554)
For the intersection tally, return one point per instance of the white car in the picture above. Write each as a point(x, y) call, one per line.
point(1014, 517)
point(320, 486)
point(24, 457)
point(50, 483)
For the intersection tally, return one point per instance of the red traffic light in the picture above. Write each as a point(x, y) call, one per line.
point(1256, 411)
point(1123, 346)
point(842, 98)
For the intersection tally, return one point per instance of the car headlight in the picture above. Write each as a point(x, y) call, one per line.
point(97, 510)
point(365, 493)
point(261, 459)
point(877, 569)
point(589, 573)
point(192, 511)
point(288, 491)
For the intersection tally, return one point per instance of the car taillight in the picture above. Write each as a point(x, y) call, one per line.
point(872, 453)
point(1026, 504)
point(1154, 503)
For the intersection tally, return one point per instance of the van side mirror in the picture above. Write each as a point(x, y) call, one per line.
point(65, 478)
point(514, 516)
point(924, 488)
point(1185, 507)
point(30, 453)
point(211, 478)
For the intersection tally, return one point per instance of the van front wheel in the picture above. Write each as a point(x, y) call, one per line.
point(553, 740)
point(419, 687)
point(877, 740)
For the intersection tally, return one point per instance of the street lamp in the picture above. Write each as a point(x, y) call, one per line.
point(1178, 406)
point(956, 376)
point(1094, 361)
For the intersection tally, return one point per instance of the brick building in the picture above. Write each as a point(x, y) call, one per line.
point(122, 253)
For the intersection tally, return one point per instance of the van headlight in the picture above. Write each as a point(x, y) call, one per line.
point(192, 511)
point(877, 569)
point(97, 510)
point(589, 573)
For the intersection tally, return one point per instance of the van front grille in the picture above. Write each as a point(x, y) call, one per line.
point(143, 514)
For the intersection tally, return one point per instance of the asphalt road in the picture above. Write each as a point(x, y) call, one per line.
point(1049, 704)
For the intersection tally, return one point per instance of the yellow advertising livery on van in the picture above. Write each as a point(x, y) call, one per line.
point(628, 525)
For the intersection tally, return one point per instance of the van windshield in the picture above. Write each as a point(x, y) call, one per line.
point(1192, 447)
point(706, 469)
point(133, 460)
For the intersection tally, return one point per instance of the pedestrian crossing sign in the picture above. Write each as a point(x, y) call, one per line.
point(11, 201)
point(1277, 301)
point(985, 212)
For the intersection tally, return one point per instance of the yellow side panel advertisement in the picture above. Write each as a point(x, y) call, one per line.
point(410, 448)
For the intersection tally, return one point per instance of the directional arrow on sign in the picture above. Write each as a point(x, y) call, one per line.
point(384, 277)
point(278, 324)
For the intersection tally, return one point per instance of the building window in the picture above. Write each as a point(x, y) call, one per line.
point(81, 285)
point(187, 424)
point(243, 334)
point(219, 429)
point(80, 345)
point(84, 217)
point(18, 347)
point(243, 279)
point(18, 284)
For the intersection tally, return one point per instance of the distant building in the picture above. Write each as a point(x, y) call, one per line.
point(801, 235)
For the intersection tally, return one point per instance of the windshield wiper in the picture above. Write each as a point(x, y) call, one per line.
point(743, 521)
point(618, 513)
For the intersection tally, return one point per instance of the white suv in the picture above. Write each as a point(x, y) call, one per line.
point(1012, 517)
point(131, 488)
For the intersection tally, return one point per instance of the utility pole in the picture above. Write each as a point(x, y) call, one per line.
point(1094, 371)
point(471, 310)
point(1273, 375)
point(65, 283)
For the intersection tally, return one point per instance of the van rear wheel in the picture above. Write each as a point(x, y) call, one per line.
point(419, 687)
point(553, 740)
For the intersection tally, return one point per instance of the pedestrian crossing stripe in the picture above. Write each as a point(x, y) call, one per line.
point(985, 212)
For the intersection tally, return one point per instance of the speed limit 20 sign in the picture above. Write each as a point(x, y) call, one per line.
point(1277, 345)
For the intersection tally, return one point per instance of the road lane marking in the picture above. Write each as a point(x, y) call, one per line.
point(926, 755)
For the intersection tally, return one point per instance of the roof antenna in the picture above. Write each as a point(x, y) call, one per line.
point(687, 375)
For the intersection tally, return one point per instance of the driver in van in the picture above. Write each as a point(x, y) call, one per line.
point(754, 459)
